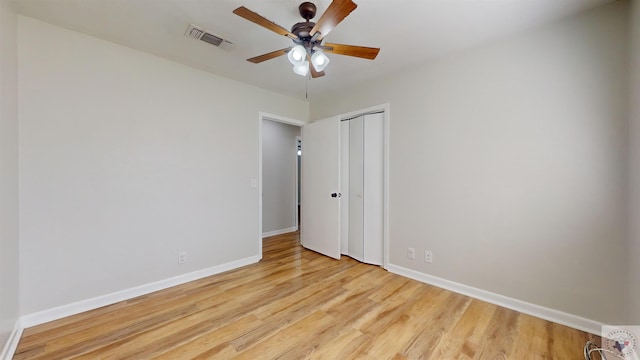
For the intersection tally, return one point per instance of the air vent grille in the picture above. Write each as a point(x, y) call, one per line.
point(196, 32)
point(211, 39)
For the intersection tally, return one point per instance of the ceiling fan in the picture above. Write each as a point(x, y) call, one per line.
point(307, 37)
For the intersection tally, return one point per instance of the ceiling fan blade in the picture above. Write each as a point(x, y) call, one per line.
point(268, 56)
point(314, 73)
point(335, 13)
point(262, 21)
point(351, 50)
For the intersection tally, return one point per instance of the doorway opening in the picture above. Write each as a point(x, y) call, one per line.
point(278, 175)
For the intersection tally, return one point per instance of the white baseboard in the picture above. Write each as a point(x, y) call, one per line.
point(60, 312)
point(279, 232)
point(542, 312)
point(11, 345)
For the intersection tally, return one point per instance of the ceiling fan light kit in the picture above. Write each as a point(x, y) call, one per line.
point(302, 69)
point(308, 37)
point(319, 60)
point(297, 55)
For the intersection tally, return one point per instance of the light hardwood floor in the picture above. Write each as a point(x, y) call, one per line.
point(296, 304)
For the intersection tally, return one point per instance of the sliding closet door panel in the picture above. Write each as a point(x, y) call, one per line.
point(344, 187)
point(356, 188)
point(373, 188)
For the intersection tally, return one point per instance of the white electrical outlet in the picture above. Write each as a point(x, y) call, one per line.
point(411, 253)
point(182, 257)
point(428, 256)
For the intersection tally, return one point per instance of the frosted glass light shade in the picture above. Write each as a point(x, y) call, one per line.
point(297, 55)
point(319, 60)
point(302, 69)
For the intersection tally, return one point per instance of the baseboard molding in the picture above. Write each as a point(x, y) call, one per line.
point(11, 345)
point(542, 312)
point(60, 312)
point(279, 232)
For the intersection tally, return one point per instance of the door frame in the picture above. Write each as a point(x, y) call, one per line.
point(386, 109)
point(281, 119)
point(298, 165)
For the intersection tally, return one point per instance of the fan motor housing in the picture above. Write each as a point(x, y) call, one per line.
point(307, 10)
point(303, 29)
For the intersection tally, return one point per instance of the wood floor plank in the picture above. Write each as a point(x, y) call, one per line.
point(281, 320)
point(428, 343)
point(461, 342)
point(345, 346)
point(501, 334)
point(531, 340)
point(297, 304)
point(279, 343)
point(218, 339)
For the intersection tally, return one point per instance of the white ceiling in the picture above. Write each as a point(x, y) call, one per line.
point(407, 31)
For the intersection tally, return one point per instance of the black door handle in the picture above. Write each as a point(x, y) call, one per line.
point(336, 195)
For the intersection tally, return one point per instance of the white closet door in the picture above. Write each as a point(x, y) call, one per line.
point(356, 188)
point(373, 204)
point(344, 187)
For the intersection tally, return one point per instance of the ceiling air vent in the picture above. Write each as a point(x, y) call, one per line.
point(198, 33)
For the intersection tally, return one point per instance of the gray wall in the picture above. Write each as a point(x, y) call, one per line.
point(278, 175)
point(508, 162)
point(9, 244)
point(127, 159)
point(634, 161)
